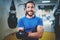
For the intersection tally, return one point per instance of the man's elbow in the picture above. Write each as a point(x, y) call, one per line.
point(39, 36)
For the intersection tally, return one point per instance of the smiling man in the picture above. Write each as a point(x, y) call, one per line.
point(30, 23)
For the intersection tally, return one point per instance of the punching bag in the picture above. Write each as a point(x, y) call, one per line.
point(57, 18)
point(57, 26)
point(12, 19)
point(57, 22)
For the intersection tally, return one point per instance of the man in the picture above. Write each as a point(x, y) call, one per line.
point(30, 23)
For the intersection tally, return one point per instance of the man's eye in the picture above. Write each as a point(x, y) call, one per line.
point(32, 7)
point(28, 7)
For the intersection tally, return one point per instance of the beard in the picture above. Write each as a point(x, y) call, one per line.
point(30, 13)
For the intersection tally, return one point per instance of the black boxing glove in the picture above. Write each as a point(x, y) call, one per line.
point(21, 34)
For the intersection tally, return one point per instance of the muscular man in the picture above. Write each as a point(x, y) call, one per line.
point(30, 23)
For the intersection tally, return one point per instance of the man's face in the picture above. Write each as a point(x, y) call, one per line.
point(30, 9)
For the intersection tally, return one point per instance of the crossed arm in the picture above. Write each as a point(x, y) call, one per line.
point(37, 34)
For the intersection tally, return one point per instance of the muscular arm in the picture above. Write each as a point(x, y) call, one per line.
point(37, 34)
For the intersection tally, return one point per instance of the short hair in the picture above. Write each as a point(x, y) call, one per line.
point(29, 2)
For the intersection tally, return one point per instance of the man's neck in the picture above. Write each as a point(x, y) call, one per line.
point(29, 16)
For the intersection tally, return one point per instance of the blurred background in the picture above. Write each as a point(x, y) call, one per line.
point(44, 9)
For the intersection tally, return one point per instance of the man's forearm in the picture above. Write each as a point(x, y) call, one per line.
point(37, 34)
point(34, 35)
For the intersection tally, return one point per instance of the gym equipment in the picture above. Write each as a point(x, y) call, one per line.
point(57, 21)
point(21, 34)
point(57, 18)
point(12, 19)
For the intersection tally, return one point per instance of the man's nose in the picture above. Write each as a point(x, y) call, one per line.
point(30, 8)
